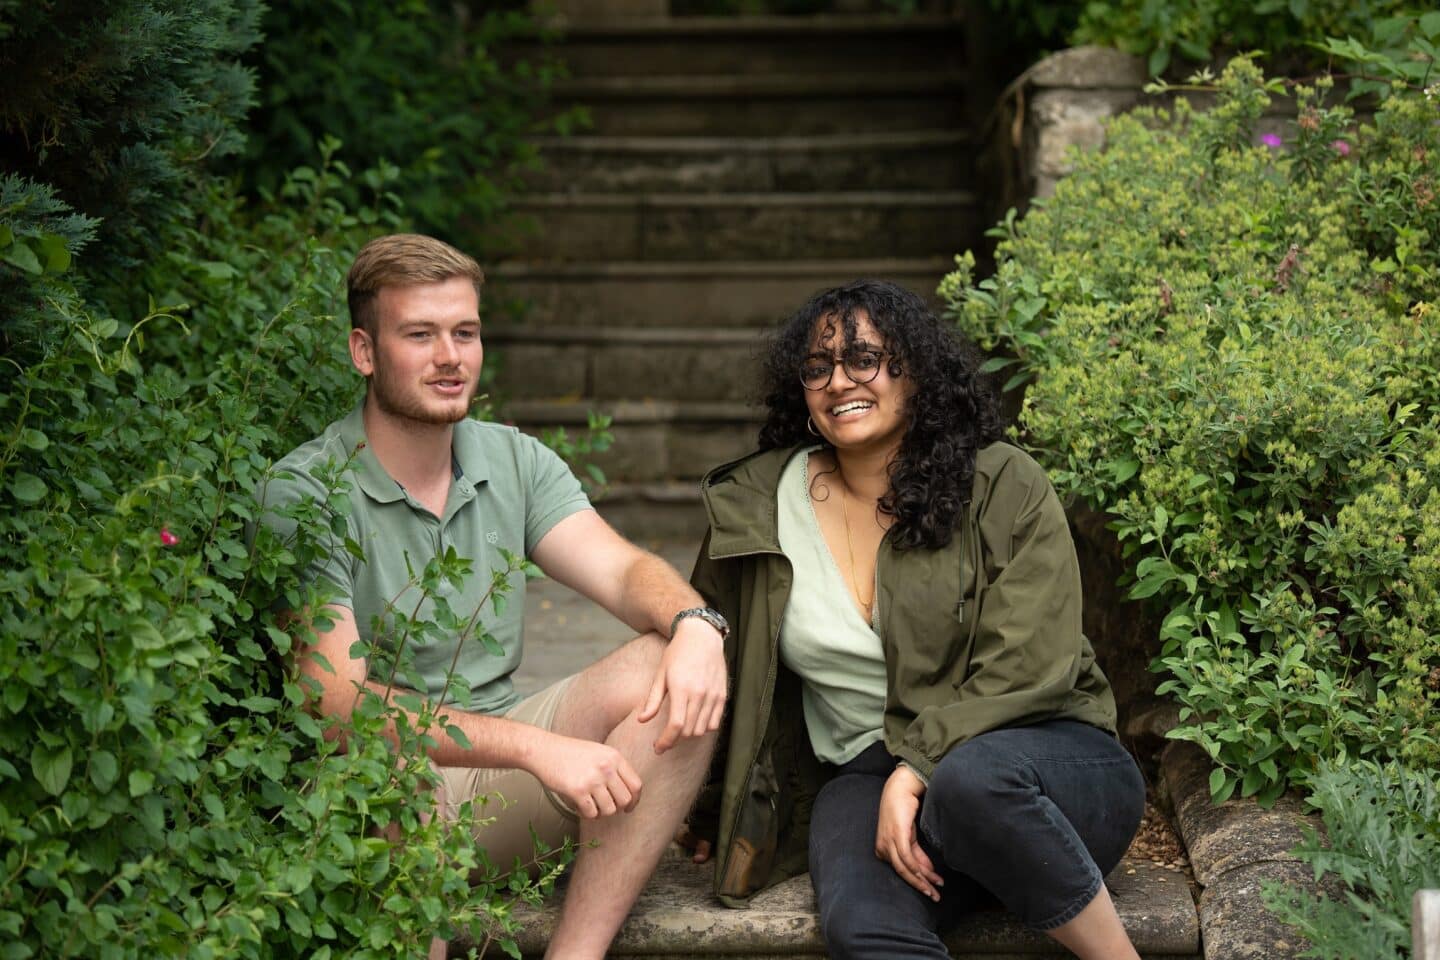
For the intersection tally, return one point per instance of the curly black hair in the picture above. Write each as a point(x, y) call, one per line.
point(953, 410)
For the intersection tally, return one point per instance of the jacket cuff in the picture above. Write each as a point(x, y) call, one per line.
point(922, 765)
point(924, 778)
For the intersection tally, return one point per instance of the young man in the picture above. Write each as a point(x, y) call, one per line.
point(612, 754)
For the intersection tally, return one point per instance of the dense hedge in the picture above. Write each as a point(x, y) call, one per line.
point(1195, 30)
point(421, 85)
point(1231, 348)
point(1234, 355)
point(163, 793)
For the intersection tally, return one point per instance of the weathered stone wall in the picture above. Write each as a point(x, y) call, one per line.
point(1059, 103)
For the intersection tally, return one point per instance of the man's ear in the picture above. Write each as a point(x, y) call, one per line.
point(362, 351)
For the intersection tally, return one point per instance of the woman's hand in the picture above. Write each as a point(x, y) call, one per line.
point(697, 846)
point(895, 840)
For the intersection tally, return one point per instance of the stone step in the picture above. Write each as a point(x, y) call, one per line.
point(663, 510)
point(758, 226)
point(767, 105)
point(757, 44)
point(655, 440)
point(901, 160)
point(603, 364)
point(701, 294)
point(676, 916)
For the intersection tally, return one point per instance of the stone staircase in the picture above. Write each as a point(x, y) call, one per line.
point(735, 166)
point(677, 918)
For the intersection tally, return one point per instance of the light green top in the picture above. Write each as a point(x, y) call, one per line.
point(823, 636)
point(507, 491)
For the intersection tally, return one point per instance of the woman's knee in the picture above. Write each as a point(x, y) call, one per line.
point(980, 774)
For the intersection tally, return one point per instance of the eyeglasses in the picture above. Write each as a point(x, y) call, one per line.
point(861, 366)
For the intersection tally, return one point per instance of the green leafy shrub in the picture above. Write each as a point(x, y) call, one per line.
point(420, 85)
point(118, 107)
point(1383, 827)
point(37, 234)
point(1234, 354)
point(162, 790)
point(1197, 29)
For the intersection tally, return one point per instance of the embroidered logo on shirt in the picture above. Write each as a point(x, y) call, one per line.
point(492, 538)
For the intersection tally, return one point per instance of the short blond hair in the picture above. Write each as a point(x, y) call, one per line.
point(402, 260)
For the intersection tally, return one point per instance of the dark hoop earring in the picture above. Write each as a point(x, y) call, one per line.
point(810, 426)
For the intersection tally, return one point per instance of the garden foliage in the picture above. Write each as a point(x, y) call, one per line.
point(421, 85)
point(119, 105)
point(1383, 844)
point(163, 791)
point(1163, 31)
point(1234, 353)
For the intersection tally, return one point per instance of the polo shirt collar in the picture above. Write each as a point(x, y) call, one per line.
point(379, 485)
point(465, 447)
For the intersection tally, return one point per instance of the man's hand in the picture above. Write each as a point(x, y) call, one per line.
point(895, 840)
point(692, 672)
point(595, 779)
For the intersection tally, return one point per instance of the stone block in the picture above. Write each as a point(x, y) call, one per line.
point(676, 916)
point(772, 115)
point(1089, 67)
point(701, 372)
point(581, 232)
point(527, 370)
point(639, 452)
point(1061, 119)
point(1234, 924)
point(1237, 833)
point(698, 295)
point(649, 513)
point(695, 449)
point(600, 9)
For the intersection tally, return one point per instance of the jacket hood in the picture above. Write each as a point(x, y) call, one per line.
point(740, 502)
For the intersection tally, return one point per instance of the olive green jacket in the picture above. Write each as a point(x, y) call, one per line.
point(981, 634)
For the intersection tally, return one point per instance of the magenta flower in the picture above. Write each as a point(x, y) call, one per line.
point(168, 539)
point(1271, 140)
point(1340, 147)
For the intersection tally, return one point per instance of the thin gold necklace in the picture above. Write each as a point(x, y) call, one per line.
point(850, 547)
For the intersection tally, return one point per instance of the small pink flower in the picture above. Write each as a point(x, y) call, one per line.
point(1271, 140)
point(1340, 147)
point(167, 538)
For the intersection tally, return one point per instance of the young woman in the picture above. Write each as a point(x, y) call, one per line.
point(917, 718)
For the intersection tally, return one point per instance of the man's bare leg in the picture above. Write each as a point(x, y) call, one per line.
point(601, 705)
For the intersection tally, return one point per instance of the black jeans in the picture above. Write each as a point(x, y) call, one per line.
point(1032, 816)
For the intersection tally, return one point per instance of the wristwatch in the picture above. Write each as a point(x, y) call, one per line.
point(710, 616)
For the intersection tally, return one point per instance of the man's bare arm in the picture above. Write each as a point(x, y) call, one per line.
point(586, 554)
point(594, 778)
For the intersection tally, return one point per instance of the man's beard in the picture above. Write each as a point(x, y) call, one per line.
point(409, 406)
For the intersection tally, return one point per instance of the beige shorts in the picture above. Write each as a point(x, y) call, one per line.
point(527, 803)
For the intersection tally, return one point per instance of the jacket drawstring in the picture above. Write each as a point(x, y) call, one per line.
point(970, 550)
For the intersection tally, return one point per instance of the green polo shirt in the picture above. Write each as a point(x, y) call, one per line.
point(506, 492)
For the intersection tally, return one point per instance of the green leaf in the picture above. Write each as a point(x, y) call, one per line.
point(104, 770)
point(27, 488)
point(1158, 61)
point(458, 735)
point(51, 766)
point(33, 439)
point(55, 253)
point(1123, 470)
point(1430, 24)
point(995, 364)
point(141, 782)
point(23, 258)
